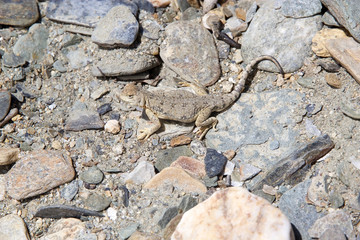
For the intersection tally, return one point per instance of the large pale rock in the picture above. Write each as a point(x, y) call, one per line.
point(177, 178)
point(190, 51)
point(37, 173)
point(318, 42)
point(346, 51)
point(9, 155)
point(12, 227)
point(234, 213)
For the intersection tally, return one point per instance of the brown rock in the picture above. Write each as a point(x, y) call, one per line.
point(191, 166)
point(171, 226)
point(160, 3)
point(180, 140)
point(177, 178)
point(37, 173)
point(234, 213)
point(333, 80)
point(346, 51)
point(13, 227)
point(21, 13)
point(318, 42)
point(9, 155)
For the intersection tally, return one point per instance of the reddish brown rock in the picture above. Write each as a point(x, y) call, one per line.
point(333, 80)
point(177, 178)
point(180, 140)
point(37, 173)
point(191, 166)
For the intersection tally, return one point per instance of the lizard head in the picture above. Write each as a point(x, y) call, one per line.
point(132, 95)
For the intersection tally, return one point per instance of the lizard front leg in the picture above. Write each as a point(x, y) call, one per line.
point(204, 120)
point(148, 131)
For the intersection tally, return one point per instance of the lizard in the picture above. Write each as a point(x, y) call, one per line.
point(185, 106)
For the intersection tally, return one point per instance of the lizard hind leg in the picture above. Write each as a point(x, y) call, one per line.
point(145, 133)
point(205, 122)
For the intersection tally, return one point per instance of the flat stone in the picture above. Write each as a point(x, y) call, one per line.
point(9, 155)
point(190, 165)
point(59, 66)
point(11, 60)
point(97, 202)
point(187, 203)
point(302, 215)
point(105, 108)
point(168, 215)
point(164, 158)
point(243, 216)
point(21, 13)
point(69, 229)
point(271, 33)
point(180, 140)
point(119, 28)
point(70, 191)
point(93, 175)
point(329, 20)
point(320, 38)
point(126, 232)
point(333, 80)
point(63, 211)
point(32, 46)
point(248, 171)
point(345, 50)
point(78, 59)
point(177, 178)
point(13, 227)
point(318, 191)
point(85, 13)
point(142, 173)
point(99, 92)
point(187, 47)
point(338, 219)
point(333, 233)
point(38, 172)
point(123, 62)
point(214, 162)
point(347, 13)
point(301, 8)
point(5, 100)
point(80, 118)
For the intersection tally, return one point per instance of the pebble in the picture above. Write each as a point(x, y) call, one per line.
point(112, 126)
point(333, 80)
point(302, 215)
point(99, 92)
point(77, 59)
point(317, 192)
point(64, 211)
point(105, 108)
point(214, 162)
point(301, 9)
point(59, 66)
point(270, 29)
point(192, 166)
point(318, 42)
point(243, 216)
point(126, 232)
point(21, 13)
point(187, 46)
point(336, 200)
point(160, 3)
point(141, 174)
point(329, 20)
point(151, 29)
point(236, 26)
point(112, 213)
point(70, 190)
point(168, 215)
point(80, 118)
point(198, 147)
point(248, 171)
point(210, 182)
point(180, 140)
point(69, 229)
point(275, 144)
point(177, 178)
point(311, 129)
point(12, 60)
point(85, 13)
point(165, 157)
point(5, 100)
point(187, 203)
point(92, 175)
point(119, 28)
point(9, 155)
point(43, 171)
point(32, 46)
point(347, 14)
point(97, 202)
point(56, 145)
point(13, 227)
point(338, 219)
point(344, 51)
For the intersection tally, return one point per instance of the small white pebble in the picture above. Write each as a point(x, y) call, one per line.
point(112, 126)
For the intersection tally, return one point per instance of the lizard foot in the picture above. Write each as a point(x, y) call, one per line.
point(144, 134)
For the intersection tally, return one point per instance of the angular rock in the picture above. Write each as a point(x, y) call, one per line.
point(86, 12)
point(97, 202)
point(169, 214)
point(92, 175)
point(143, 172)
point(177, 178)
point(80, 118)
point(21, 13)
point(9, 155)
point(338, 219)
point(333, 80)
point(271, 33)
point(347, 13)
point(180, 140)
point(214, 162)
point(190, 51)
point(302, 215)
point(318, 191)
point(301, 8)
point(345, 50)
point(69, 229)
point(126, 232)
point(151, 29)
point(13, 227)
point(119, 28)
point(105, 108)
point(320, 38)
point(63, 211)
point(37, 173)
point(349, 175)
point(11, 60)
point(243, 216)
point(187, 203)
point(77, 59)
point(190, 165)
point(248, 171)
point(69, 191)
point(329, 20)
point(164, 158)
point(32, 46)
point(5, 100)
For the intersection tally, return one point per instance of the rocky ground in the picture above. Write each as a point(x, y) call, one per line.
point(71, 166)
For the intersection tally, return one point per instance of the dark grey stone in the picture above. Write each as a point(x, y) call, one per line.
point(336, 200)
point(97, 202)
point(80, 118)
point(105, 108)
point(165, 157)
point(214, 162)
point(169, 214)
point(210, 182)
point(92, 175)
point(11, 60)
point(5, 100)
point(187, 203)
point(63, 211)
point(301, 8)
point(20, 13)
